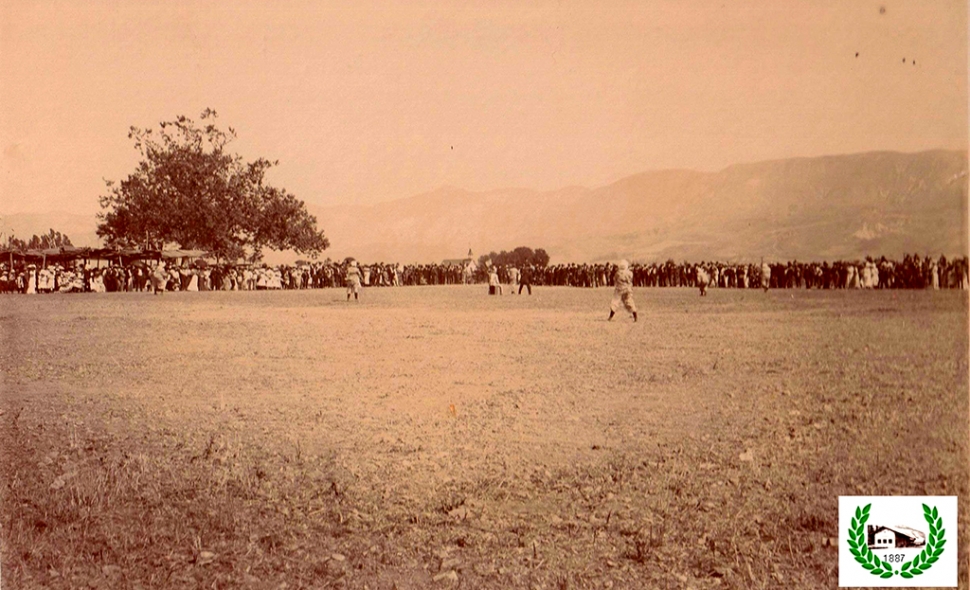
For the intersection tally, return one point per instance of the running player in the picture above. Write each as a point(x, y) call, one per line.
point(623, 291)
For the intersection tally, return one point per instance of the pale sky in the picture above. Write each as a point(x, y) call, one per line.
point(371, 101)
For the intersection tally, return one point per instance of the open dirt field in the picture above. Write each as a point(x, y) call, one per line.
point(437, 437)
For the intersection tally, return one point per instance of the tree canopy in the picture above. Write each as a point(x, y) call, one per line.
point(190, 190)
point(519, 257)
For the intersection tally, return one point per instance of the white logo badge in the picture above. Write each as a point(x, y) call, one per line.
point(897, 541)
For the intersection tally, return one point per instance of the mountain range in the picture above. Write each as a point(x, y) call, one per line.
point(820, 208)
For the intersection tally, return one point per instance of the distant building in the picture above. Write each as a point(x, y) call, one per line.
point(462, 262)
point(468, 265)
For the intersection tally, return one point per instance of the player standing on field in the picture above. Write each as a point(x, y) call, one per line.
point(525, 278)
point(353, 280)
point(623, 290)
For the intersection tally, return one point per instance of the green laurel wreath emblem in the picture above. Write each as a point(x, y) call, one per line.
point(877, 567)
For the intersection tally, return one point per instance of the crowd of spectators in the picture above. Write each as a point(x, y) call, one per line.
point(76, 276)
point(912, 272)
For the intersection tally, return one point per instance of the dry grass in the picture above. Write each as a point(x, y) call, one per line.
point(291, 439)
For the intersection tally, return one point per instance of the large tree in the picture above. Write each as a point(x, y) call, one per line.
point(190, 190)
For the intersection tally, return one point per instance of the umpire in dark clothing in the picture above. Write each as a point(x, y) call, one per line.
point(525, 278)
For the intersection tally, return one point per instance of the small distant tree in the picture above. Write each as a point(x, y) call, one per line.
point(190, 190)
point(540, 258)
point(52, 239)
point(486, 259)
point(15, 244)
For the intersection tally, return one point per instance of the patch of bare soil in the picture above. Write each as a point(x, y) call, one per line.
point(437, 437)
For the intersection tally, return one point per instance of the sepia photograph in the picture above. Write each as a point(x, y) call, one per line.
point(545, 295)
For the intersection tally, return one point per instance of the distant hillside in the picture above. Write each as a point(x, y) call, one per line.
point(806, 208)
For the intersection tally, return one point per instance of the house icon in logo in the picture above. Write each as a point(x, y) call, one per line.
point(894, 537)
